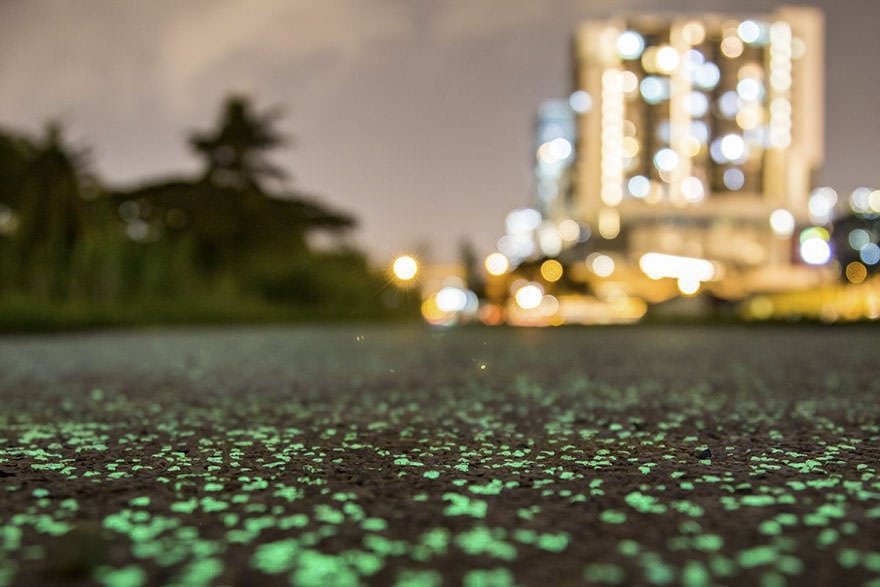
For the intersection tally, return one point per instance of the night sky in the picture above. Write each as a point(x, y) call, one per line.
point(415, 116)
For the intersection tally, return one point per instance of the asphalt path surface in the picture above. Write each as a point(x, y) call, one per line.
point(406, 456)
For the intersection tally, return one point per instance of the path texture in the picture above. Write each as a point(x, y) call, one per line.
point(409, 457)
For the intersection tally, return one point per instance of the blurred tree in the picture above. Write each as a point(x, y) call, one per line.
point(472, 268)
point(238, 207)
point(15, 155)
point(235, 154)
point(50, 204)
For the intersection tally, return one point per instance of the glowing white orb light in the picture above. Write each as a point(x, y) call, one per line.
point(815, 251)
point(630, 45)
point(782, 223)
point(405, 267)
point(451, 299)
point(529, 296)
point(496, 264)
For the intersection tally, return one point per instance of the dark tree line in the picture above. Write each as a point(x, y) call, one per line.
point(233, 229)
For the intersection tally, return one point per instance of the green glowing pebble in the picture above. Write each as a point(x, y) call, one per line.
point(213, 487)
point(293, 521)
point(790, 565)
point(316, 569)
point(708, 542)
point(464, 506)
point(239, 536)
point(488, 578)
point(772, 579)
point(871, 561)
point(255, 525)
point(553, 542)
point(787, 519)
point(770, 528)
point(275, 557)
point(325, 513)
point(365, 563)
point(436, 539)
point(202, 572)
point(722, 566)
point(757, 556)
point(628, 547)
point(410, 578)
point(40, 492)
point(827, 537)
point(289, 493)
point(431, 474)
point(420, 497)
point(383, 546)
point(185, 507)
point(494, 487)
point(831, 510)
point(374, 524)
point(815, 519)
point(848, 557)
point(130, 576)
point(659, 573)
point(209, 504)
point(644, 503)
point(481, 540)
point(758, 500)
point(604, 573)
point(10, 537)
point(525, 535)
point(612, 517)
point(695, 574)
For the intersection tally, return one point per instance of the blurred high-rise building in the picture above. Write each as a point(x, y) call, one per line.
point(697, 143)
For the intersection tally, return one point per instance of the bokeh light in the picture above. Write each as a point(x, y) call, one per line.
point(688, 285)
point(580, 101)
point(529, 296)
point(782, 223)
point(601, 265)
point(451, 299)
point(815, 250)
point(405, 267)
point(551, 270)
point(496, 264)
point(630, 45)
point(870, 254)
point(856, 272)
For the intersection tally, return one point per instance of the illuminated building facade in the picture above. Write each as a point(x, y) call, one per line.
point(555, 137)
point(696, 150)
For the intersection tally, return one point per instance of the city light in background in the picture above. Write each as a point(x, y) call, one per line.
point(405, 267)
point(681, 166)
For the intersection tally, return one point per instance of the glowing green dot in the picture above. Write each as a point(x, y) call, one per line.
point(125, 577)
point(708, 542)
point(488, 578)
point(553, 542)
point(612, 517)
point(409, 578)
point(695, 574)
point(374, 524)
point(757, 556)
point(604, 573)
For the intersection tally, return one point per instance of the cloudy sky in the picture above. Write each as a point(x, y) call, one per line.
point(416, 116)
